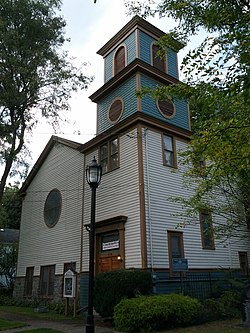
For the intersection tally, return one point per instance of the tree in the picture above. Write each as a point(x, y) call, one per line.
point(8, 262)
point(10, 209)
point(36, 76)
point(217, 85)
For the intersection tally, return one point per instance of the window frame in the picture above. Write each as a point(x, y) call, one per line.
point(51, 212)
point(28, 284)
point(170, 234)
point(202, 229)
point(162, 113)
point(245, 270)
point(120, 68)
point(173, 151)
point(108, 159)
point(156, 60)
point(121, 112)
point(50, 284)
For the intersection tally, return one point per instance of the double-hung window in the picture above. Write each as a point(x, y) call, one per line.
point(109, 157)
point(169, 154)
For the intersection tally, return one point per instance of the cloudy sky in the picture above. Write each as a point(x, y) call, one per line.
point(89, 26)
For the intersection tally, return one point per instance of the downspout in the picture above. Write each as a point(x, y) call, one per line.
point(149, 202)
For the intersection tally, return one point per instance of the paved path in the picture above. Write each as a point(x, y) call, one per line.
point(67, 326)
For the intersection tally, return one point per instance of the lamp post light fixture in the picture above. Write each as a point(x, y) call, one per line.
point(93, 176)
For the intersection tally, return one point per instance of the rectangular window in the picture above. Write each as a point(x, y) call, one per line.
point(47, 280)
point(244, 263)
point(175, 248)
point(207, 235)
point(109, 156)
point(28, 285)
point(169, 154)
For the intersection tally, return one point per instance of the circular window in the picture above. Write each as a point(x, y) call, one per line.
point(52, 208)
point(166, 108)
point(115, 110)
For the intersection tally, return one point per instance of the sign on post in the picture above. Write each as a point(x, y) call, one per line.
point(180, 265)
point(69, 289)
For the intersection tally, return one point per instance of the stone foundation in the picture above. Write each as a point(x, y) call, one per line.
point(18, 292)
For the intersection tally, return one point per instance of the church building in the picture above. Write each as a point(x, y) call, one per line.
point(138, 143)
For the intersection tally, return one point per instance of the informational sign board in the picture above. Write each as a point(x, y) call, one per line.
point(69, 288)
point(180, 265)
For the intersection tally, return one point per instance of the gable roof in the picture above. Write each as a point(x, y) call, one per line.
point(53, 140)
point(8, 236)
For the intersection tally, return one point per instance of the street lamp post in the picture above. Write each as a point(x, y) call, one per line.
point(93, 176)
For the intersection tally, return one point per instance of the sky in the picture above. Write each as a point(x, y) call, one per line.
point(89, 26)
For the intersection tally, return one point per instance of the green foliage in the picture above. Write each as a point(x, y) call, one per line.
point(217, 86)
point(112, 287)
point(37, 76)
point(8, 262)
point(227, 306)
point(10, 210)
point(147, 313)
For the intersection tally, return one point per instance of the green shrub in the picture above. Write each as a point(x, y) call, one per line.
point(227, 306)
point(112, 287)
point(155, 312)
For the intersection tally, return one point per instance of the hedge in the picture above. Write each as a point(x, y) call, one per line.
point(155, 312)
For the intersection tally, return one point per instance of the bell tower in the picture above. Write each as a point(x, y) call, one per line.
point(130, 63)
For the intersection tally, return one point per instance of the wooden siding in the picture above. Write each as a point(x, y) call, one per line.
point(130, 48)
point(127, 92)
point(108, 67)
point(161, 183)
point(145, 54)
point(118, 194)
point(145, 47)
point(40, 245)
point(181, 117)
point(172, 64)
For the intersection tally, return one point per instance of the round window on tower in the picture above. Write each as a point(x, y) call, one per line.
point(166, 108)
point(52, 208)
point(115, 110)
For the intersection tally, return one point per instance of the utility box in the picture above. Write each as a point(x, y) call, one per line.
point(69, 288)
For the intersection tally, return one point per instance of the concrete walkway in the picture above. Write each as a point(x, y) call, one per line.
point(67, 326)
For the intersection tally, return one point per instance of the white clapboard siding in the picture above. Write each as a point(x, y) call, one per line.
point(40, 245)
point(162, 182)
point(118, 195)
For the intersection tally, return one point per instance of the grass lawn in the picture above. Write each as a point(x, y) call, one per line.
point(42, 330)
point(8, 324)
point(31, 313)
point(225, 326)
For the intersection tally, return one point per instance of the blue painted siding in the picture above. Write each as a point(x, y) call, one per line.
point(108, 66)
point(127, 92)
point(84, 284)
point(145, 54)
point(145, 47)
point(131, 47)
point(181, 118)
point(172, 64)
point(131, 55)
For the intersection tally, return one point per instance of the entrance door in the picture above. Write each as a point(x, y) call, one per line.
point(108, 251)
point(110, 263)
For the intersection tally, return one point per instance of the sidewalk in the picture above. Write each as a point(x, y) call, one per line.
point(67, 326)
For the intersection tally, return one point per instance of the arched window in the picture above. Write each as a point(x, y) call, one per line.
point(157, 62)
point(119, 60)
